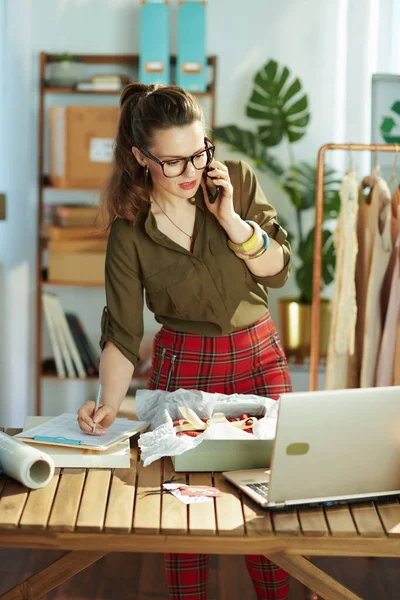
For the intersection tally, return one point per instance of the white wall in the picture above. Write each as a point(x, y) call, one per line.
point(332, 46)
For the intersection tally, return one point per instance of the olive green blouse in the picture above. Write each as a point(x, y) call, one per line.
point(209, 291)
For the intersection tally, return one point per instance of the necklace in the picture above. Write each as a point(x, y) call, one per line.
point(169, 219)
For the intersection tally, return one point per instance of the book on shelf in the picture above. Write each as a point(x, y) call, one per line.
point(86, 350)
point(74, 356)
point(100, 86)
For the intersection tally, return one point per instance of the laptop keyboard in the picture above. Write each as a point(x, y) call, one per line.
point(259, 488)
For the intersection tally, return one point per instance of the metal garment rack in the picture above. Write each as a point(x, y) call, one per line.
point(317, 261)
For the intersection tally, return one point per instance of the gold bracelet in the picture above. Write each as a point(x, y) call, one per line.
point(251, 243)
point(257, 254)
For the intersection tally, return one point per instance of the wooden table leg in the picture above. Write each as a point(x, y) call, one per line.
point(49, 578)
point(314, 578)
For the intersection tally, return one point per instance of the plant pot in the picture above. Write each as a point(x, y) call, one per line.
point(295, 327)
point(65, 73)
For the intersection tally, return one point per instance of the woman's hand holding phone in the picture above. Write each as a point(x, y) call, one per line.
point(217, 175)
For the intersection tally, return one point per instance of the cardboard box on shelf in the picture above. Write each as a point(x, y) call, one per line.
point(77, 267)
point(81, 145)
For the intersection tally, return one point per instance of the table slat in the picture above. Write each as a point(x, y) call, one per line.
point(312, 521)
point(202, 515)
point(174, 514)
point(12, 503)
point(38, 507)
point(340, 521)
point(147, 513)
point(66, 504)
point(92, 509)
point(119, 515)
point(286, 523)
point(229, 510)
point(389, 513)
point(258, 520)
point(367, 520)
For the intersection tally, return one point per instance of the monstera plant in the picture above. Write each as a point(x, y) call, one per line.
point(280, 108)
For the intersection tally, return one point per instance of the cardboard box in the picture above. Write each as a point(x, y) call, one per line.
point(191, 64)
point(81, 145)
point(154, 61)
point(225, 455)
point(77, 267)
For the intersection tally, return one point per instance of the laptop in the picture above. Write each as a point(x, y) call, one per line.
point(331, 447)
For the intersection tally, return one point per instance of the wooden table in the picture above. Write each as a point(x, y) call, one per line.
point(92, 512)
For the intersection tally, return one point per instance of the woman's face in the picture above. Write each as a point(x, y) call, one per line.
point(171, 144)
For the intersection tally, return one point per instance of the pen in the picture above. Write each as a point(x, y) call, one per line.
point(97, 404)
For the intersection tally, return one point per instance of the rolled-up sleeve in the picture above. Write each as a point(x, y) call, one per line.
point(122, 318)
point(255, 207)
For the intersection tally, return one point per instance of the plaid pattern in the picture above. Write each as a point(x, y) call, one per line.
point(250, 360)
point(247, 361)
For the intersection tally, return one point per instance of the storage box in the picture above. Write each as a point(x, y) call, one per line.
point(191, 64)
point(154, 61)
point(225, 455)
point(81, 145)
point(77, 267)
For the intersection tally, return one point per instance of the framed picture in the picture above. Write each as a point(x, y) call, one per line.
point(385, 117)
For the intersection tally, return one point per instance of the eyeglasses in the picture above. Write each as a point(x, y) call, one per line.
point(174, 168)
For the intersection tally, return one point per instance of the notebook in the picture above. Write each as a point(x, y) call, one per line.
point(65, 431)
point(115, 457)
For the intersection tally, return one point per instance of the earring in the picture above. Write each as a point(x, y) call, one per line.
point(146, 173)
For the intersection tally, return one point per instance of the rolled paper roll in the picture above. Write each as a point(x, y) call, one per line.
point(28, 465)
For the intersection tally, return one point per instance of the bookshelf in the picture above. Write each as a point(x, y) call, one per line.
point(130, 64)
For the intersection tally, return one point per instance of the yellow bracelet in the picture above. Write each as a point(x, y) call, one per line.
point(257, 254)
point(251, 243)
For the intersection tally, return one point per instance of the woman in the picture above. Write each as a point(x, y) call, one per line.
point(203, 266)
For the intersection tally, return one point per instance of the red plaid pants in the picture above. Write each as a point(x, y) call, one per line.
point(248, 361)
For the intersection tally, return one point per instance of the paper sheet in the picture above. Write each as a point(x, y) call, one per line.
point(66, 426)
point(116, 457)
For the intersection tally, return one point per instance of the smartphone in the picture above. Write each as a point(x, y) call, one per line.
point(212, 196)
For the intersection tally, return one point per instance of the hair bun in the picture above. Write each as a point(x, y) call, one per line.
point(134, 91)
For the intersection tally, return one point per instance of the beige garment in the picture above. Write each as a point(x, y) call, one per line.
point(386, 364)
point(343, 306)
point(381, 249)
point(368, 215)
point(396, 365)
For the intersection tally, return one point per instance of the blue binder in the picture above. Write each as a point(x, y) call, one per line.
point(154, 60)
point(191, 64)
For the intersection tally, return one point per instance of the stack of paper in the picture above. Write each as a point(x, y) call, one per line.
point(62, 439)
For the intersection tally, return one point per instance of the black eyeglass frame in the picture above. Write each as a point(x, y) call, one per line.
point(210, 148)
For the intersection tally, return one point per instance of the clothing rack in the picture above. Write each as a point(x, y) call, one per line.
point(317, 260)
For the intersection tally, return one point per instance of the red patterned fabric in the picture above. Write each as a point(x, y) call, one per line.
point(248, 361)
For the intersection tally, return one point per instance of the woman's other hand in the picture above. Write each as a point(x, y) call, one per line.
point(105, 416)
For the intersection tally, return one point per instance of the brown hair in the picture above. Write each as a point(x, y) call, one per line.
point(144, 108)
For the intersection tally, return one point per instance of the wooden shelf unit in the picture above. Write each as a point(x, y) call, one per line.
point(128, 60)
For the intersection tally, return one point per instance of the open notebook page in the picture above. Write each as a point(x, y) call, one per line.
point(66, 426)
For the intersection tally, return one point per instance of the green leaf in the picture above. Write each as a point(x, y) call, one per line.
point(249, 144)
point(304, 280)
point(300, 184)
point(279, 104)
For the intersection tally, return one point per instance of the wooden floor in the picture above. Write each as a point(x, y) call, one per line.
point(141, 577)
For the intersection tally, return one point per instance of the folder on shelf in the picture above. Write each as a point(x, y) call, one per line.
point(154, 62)
point(64, 431)
point(191, 63)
